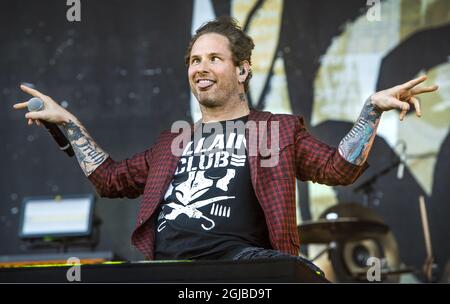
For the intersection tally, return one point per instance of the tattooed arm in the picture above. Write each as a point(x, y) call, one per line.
point(88, 153)
point(126, 178)
point(356, 145)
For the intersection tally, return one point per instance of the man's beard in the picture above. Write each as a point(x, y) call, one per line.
point(209, 101)
point(214, 98)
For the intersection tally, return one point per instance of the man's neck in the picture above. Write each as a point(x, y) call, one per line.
point(228, 111)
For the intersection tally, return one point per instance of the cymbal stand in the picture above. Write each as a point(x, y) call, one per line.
point(330, 246)
point(367, 187)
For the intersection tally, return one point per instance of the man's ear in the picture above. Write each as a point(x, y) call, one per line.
point(243, 70)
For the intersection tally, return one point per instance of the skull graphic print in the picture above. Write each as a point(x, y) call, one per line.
point(200, 189)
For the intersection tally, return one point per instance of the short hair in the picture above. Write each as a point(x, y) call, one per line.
point(241, 44)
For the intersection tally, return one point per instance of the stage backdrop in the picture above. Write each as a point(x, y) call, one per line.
point(120, 70)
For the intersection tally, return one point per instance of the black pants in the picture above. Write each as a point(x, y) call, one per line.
point(250, 253)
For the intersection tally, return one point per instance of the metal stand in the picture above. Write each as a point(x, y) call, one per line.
point(330, 246)
point(367, 187)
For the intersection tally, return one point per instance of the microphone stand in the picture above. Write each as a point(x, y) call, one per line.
point(367, 186)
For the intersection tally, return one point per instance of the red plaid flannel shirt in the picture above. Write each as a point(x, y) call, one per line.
point(300, 155)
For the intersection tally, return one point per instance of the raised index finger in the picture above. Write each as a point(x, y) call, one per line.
point(412, 83)
point(31, 91)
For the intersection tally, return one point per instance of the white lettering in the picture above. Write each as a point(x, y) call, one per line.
point(74, 12)
point(221, 159)
point(374, 11)
point(374, 272)
point(74, 273)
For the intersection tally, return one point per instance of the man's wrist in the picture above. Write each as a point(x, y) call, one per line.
point(68, 118)
point(373, 103)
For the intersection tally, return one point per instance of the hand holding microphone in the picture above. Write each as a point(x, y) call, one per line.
point(51, 111)
point(44, 110)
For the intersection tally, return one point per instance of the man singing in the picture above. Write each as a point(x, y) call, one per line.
point(215, 199)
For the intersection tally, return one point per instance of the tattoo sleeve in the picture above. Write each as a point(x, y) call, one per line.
point(356, 145)
point(88, 153)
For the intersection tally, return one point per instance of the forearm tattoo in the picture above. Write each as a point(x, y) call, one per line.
point(356, 145)
point(88, 153)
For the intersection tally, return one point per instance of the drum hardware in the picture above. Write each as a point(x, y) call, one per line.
point(351, 234)
point(367, 187)
point(361, 275)
point(429, 267)
point(328, 247)
point(325, 231)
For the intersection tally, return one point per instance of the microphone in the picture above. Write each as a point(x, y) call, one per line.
point(401, 166)
point(36, 104)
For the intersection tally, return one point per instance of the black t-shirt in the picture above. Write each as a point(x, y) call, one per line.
point(210, 209)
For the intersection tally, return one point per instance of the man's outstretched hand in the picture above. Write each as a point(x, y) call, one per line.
point(402, 96)
point(52, 112)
